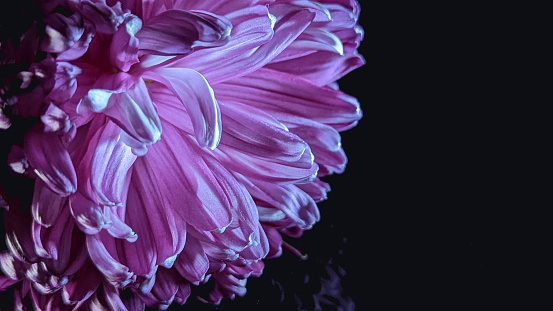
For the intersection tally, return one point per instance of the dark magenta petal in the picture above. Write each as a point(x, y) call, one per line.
point(46, 204)
point(51, 162)
point(61, 32)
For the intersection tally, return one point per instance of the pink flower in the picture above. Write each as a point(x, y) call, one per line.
point(181, 139)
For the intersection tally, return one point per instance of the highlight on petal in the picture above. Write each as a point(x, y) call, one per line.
point(177, 32)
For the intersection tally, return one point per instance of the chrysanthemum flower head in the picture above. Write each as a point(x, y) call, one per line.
point(173, 143)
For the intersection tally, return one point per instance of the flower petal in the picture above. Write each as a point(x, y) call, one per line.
point(61, 32)
point(197, 96)
point(65, 82)
point(176, 32)
point(287, 96)
point(111, 164)
point(135, 113)
point(325, 144)
point(113, 271)
point(186, 174)
point(49, 241)
point(105, 19)
point(192, 263)
point(50, 160)
point(124, 45)
point(290, 199)
point(87, 214)
point(46, 204)
point(257, 37)
point(81, 286)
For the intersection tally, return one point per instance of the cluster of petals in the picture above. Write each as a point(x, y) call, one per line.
point(178, 140)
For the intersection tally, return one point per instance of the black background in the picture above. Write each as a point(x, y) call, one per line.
point(428, 214)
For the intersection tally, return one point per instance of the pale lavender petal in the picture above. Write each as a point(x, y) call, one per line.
point(175, 32)
point(111, 164)
point(46, 204)
point(314, 40)
point(50, 160)
point(118, 228)
point(291, 200)
point(252, 131)
point(197, 96)
point(80, 47)
point(303, 170)
point(317, 189)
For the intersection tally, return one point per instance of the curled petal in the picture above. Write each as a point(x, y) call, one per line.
point(114, 272)
point(61, 32)
point(50, 160)
point(65, 82)
point(118, 228)
point(192, 263)
point(135, 113)
point(87, 214)
point(55, 120)
point(176, 32)
point(197, 96)
point(105, 19)
point(46, 204)
point(124, 46)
